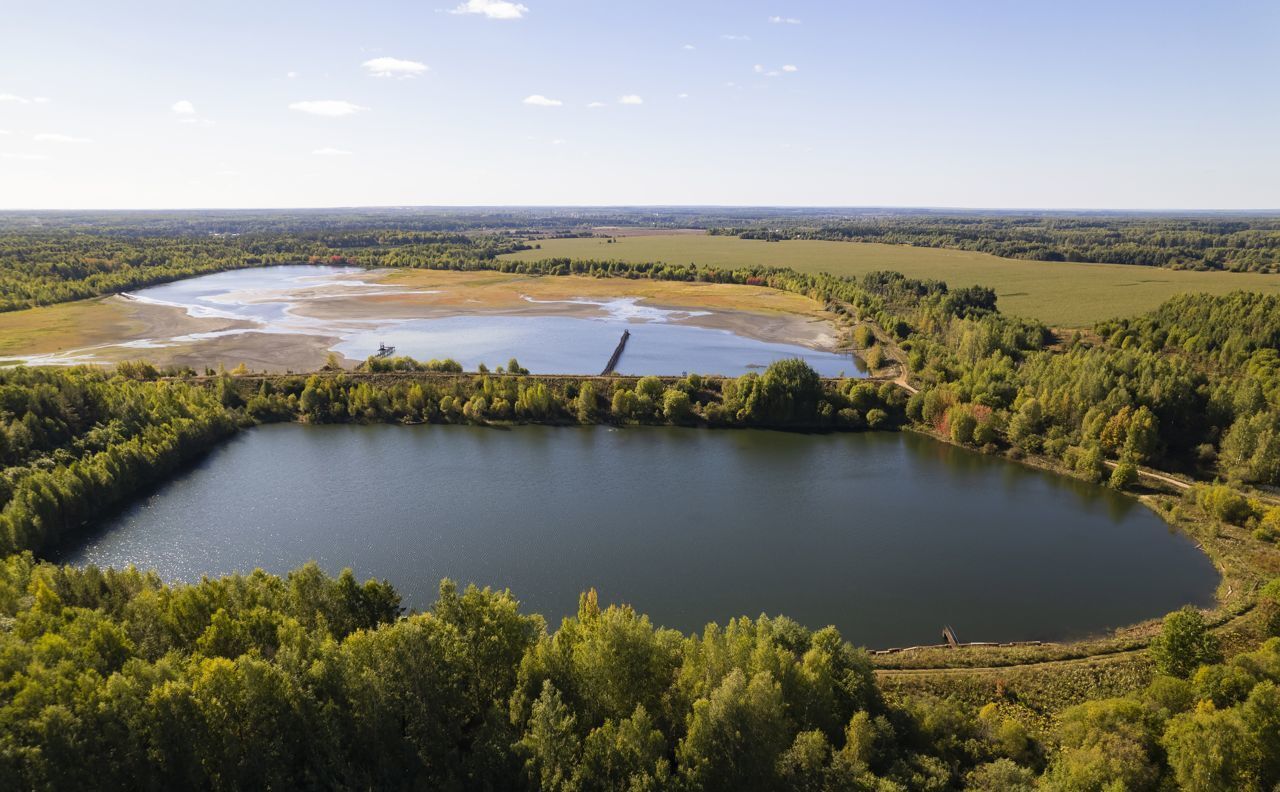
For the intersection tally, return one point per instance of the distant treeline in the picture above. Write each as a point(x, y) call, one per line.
point(42, 268)
point(49, 257)
point(1239, 243)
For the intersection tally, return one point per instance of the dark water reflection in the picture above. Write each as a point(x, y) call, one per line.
point(887, 536)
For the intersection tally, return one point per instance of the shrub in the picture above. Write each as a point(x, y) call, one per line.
point(1124, 475)
point(1184, 644)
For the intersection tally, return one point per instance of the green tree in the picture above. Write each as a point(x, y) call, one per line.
point(1124, 475)
point(676, 406)
point(1184, 643)
point(586, 405)
point(1212, 751)
point(735, 736)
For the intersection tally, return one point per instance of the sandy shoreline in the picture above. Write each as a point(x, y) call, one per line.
point(109, 330)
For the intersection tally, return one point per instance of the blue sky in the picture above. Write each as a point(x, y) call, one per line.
point(950, 103)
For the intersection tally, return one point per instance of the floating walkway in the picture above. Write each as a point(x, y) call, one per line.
point(617, 354)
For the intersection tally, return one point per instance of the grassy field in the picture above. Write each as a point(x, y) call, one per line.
point(1057, 293)
point(65, 326)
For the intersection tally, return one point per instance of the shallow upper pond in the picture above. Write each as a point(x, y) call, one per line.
point(887, 536)
point(663, 340)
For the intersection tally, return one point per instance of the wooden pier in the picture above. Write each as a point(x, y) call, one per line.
point(617, 353)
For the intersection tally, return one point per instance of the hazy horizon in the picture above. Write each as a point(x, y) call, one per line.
point(144, 105)
point(905, 209)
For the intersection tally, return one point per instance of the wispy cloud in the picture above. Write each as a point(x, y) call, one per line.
point(595, 104)
point(330, 108)
point(331, 152)
point(183, 107)
point(15, 99)
point(760, 69)
point(394, 67)
point(493, 9)
point(291, 75)
point(734, 37)
point(557, 141)
point(682, 96)
point(5, 132)
point(18, 155)
point(688, 48)
point(55, 137)
point(538, 100)
point(780, 20)
point(630, 99)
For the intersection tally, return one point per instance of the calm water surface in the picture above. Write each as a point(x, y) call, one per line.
point(886, 536)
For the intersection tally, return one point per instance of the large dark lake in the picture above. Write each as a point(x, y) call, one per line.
point(887, 536)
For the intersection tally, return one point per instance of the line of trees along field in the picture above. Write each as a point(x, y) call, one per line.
point(54, 258)
point(1241, 244)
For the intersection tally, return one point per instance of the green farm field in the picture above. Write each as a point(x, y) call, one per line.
point(1058, 293)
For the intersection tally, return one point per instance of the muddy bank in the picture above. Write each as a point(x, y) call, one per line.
point(288, 319)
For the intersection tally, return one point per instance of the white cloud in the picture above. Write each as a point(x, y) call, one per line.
point(331, 152)
point(54, 137)
point(18, 155)
point(8, 97)
point(595, 104)
point(734, 37)
point(291, 75)
point(688, 48)
point(682, 96)
point(42, 100)
point(394, 67)
point(331, 108)
point(758, 69)
point(778, 20)
point(538, 100)
point(790, 68)
point(493, 9)
point(5, 132)
point(557, 142)
point(630, 99)
point(183, 107)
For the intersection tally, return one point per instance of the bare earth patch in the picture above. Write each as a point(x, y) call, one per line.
point(112, 329)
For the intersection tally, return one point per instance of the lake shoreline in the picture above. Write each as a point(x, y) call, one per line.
point(647, 438)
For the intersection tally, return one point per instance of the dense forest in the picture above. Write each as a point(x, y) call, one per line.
point(114, 679)
point(1249, 243)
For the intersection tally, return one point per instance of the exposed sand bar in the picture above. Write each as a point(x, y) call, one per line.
point(315, 316)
